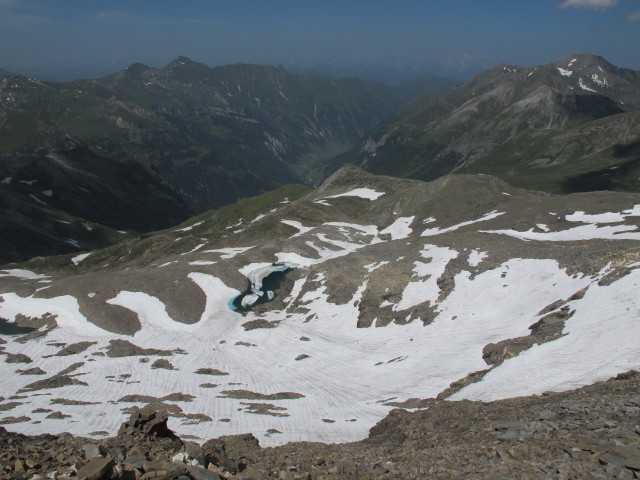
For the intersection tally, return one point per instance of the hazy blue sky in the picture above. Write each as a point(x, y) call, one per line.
point(90, 37)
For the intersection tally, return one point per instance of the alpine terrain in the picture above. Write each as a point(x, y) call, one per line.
point(568, 126)
point(181, 139)
point(310, 315)
point(458, 299)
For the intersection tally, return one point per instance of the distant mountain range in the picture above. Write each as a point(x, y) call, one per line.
point(573, 125)
point(217, 134)
point(201, 137)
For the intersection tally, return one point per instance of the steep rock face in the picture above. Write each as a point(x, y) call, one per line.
point(401, 292)
point(541, 127)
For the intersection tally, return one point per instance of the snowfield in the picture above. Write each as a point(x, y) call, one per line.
point(302, 367)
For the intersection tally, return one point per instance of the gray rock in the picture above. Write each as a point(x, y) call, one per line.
point(91, 450)
point(96, 469)
point(199, 473)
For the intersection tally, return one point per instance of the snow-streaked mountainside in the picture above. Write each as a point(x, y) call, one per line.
point(401, 291)
point(568, 126)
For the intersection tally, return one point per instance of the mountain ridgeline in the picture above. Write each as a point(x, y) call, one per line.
point(179, 140)
point(572, 125)
point(146, 148)
point(217, 134)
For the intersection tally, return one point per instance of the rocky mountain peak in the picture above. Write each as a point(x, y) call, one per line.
point(178, 62)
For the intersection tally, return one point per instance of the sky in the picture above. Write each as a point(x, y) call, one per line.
point(65, 39)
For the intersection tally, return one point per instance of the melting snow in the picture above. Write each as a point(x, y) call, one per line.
point(437, 231)
point(374, 266)
point(476, 257)
point(194, 249)
point(596, 79)
point(400, 228)
point(366, 193)
point(229, 252)
point(426, 290)
point(190, 227)
point(607, 217)
point(37, 199)
point(301, 228)
point(584, 232)
point(597, 351)
point(20, 273)
point(584, 86)
point(564, 72)
point(168, 263)
point(78, 258)
point(348, 369)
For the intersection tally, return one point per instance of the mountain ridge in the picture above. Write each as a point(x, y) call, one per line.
point(214, 135)
point(522, 124)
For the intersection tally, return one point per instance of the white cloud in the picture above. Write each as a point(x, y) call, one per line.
point(634, 17)
point(588, 4)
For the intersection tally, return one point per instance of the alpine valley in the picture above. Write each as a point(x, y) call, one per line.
point(451, 325)
point(181, 139)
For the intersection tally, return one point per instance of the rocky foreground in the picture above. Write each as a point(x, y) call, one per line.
point(593, 432)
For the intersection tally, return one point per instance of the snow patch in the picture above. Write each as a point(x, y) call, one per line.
point(20, 273)
point(366, 193)
point(301, 228)
point(33, 197)
point(476, 257)
point(78, 258)
point(190, 227)
point(399, 229)
point(584, 86)
point(229, 252)
point(584, 232)
point(438, 231)
point(374, 266)
point(426, 290)
point(597, 351)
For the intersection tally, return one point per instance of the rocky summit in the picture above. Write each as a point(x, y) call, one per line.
point(381, 293)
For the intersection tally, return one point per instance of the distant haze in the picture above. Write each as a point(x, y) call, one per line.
point(377, 39)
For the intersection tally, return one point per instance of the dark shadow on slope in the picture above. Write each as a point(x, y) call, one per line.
point(622, 177)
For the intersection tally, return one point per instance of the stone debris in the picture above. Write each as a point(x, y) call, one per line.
point(593, 432)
